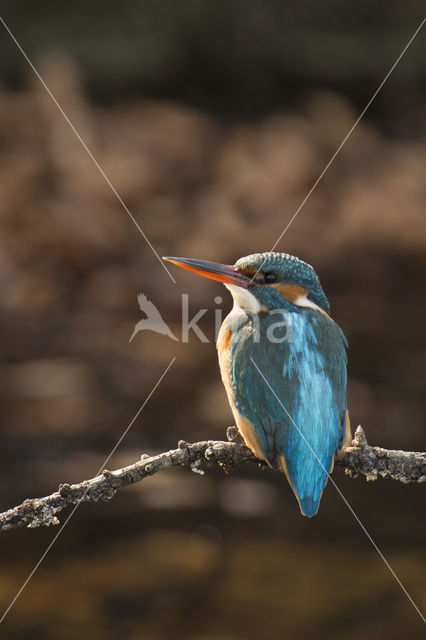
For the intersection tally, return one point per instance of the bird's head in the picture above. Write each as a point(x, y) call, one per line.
point(265, 281)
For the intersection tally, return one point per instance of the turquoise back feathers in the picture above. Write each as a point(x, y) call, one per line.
point(299, 413)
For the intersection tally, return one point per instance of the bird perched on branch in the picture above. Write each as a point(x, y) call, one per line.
point(283, 364)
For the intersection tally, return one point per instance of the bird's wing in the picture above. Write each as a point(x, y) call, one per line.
point(302, 429)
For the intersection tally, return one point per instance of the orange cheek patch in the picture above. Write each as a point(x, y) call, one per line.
point(290, 292)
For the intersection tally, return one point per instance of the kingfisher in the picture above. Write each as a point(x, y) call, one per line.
point(283, 364)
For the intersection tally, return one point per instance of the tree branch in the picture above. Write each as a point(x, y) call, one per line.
point(360, 458)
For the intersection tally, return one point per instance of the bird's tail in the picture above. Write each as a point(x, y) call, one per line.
point(309, 506)
point(309, 503)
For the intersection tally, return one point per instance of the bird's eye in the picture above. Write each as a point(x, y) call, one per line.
point(270, 276)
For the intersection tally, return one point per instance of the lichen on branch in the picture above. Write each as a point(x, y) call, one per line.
point(360, 458)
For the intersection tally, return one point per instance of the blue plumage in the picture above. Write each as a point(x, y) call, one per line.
point(307, 371)
point(283, 364)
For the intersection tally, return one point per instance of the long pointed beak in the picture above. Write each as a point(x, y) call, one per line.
point(214, 270)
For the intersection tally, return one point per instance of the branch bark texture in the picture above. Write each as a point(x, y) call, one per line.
point(360, 458)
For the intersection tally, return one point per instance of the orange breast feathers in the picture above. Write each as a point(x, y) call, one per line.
point(246, 429)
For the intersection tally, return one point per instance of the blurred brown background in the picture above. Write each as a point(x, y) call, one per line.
point(212, 120)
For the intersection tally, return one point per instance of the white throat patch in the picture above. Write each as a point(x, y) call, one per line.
point(245, 300)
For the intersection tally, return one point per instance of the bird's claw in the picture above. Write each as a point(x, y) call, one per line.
point(233, 435)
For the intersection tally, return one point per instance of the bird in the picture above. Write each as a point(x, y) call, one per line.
point(288, 394)
point(153, 321)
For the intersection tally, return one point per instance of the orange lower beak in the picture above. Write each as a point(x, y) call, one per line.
point(214, 270)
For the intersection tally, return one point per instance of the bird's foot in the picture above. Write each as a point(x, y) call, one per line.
point(233, 435)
